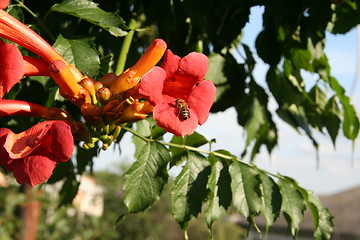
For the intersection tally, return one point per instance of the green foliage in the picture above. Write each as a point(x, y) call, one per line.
point(210, 183)
point(89, 11)
point(81, 53)
point(145, 179)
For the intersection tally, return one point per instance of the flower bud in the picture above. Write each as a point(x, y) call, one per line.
point(88, 84)
point(103, 94)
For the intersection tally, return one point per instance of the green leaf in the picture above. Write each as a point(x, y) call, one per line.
point(351, 122)
point(146, 177)
point(68, 190)
point(347, 16)
point(81, 53)
point(270, 55)
point(332, 114)
point(322, 218)
point(61, 170)
point(143, 127)
point(189, 190)
point(215, 210)
point(271, 200)
point(293, 205)
point(89, 11)
point(194, 140)
point(246, 191)
point(229, 79)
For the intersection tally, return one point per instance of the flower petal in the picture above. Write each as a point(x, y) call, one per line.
point(201, 99)
point(4, 155)
point(11, 67)
point(32, 169)
point(22, 144)
point(4, 3)
point(170, 63)
point(167, 117)
point(151, 85)
point(62, 142)
point(194, 65)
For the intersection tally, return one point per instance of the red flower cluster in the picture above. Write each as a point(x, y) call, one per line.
point(176, 93)
point(179, 78)
point(30, 155)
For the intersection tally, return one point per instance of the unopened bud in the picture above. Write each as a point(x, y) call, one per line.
point(98, 85)
point(103, 94)
point(88, 84)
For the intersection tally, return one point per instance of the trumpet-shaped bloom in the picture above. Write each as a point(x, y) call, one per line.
point(4, 3)
point(179, 78)
point(32, 155)
point(11, 66)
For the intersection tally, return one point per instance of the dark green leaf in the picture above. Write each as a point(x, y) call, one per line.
point(215, 210)
point(246, 191)
point(347, 16)
point(89, 11)
point(81, 53)
point(229, 79)
point(332, 117)
point(293, 205)
point(350, 122)
point(146, 177)
point(62, 170)
point(322, 218)
point(68, 190)
point(189, 190)
point(271, 200)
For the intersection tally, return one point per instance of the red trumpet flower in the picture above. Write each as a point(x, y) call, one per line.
point(179, 78)
point(4, 3)
point(13, 66)
point(15, 31)
point(32, 155)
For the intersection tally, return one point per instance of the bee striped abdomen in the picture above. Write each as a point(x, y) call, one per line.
point(183, 108)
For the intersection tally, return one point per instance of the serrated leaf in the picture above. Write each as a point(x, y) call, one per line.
point(89, 11)
point(215, 210)
point(322, 218)
point(189, 190)
point(271, 200)
point(246, 192)
point(81, 53)
point(293, 205)
point(146, 177)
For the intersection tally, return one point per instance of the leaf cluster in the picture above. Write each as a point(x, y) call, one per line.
point(213, 183)
point(291, 43)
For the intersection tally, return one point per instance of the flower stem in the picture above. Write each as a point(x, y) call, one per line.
point(125, 48)
point(186, 147)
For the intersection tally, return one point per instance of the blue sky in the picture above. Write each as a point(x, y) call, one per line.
point(294, 156)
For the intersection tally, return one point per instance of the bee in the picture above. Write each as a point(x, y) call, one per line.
point(183, 108)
